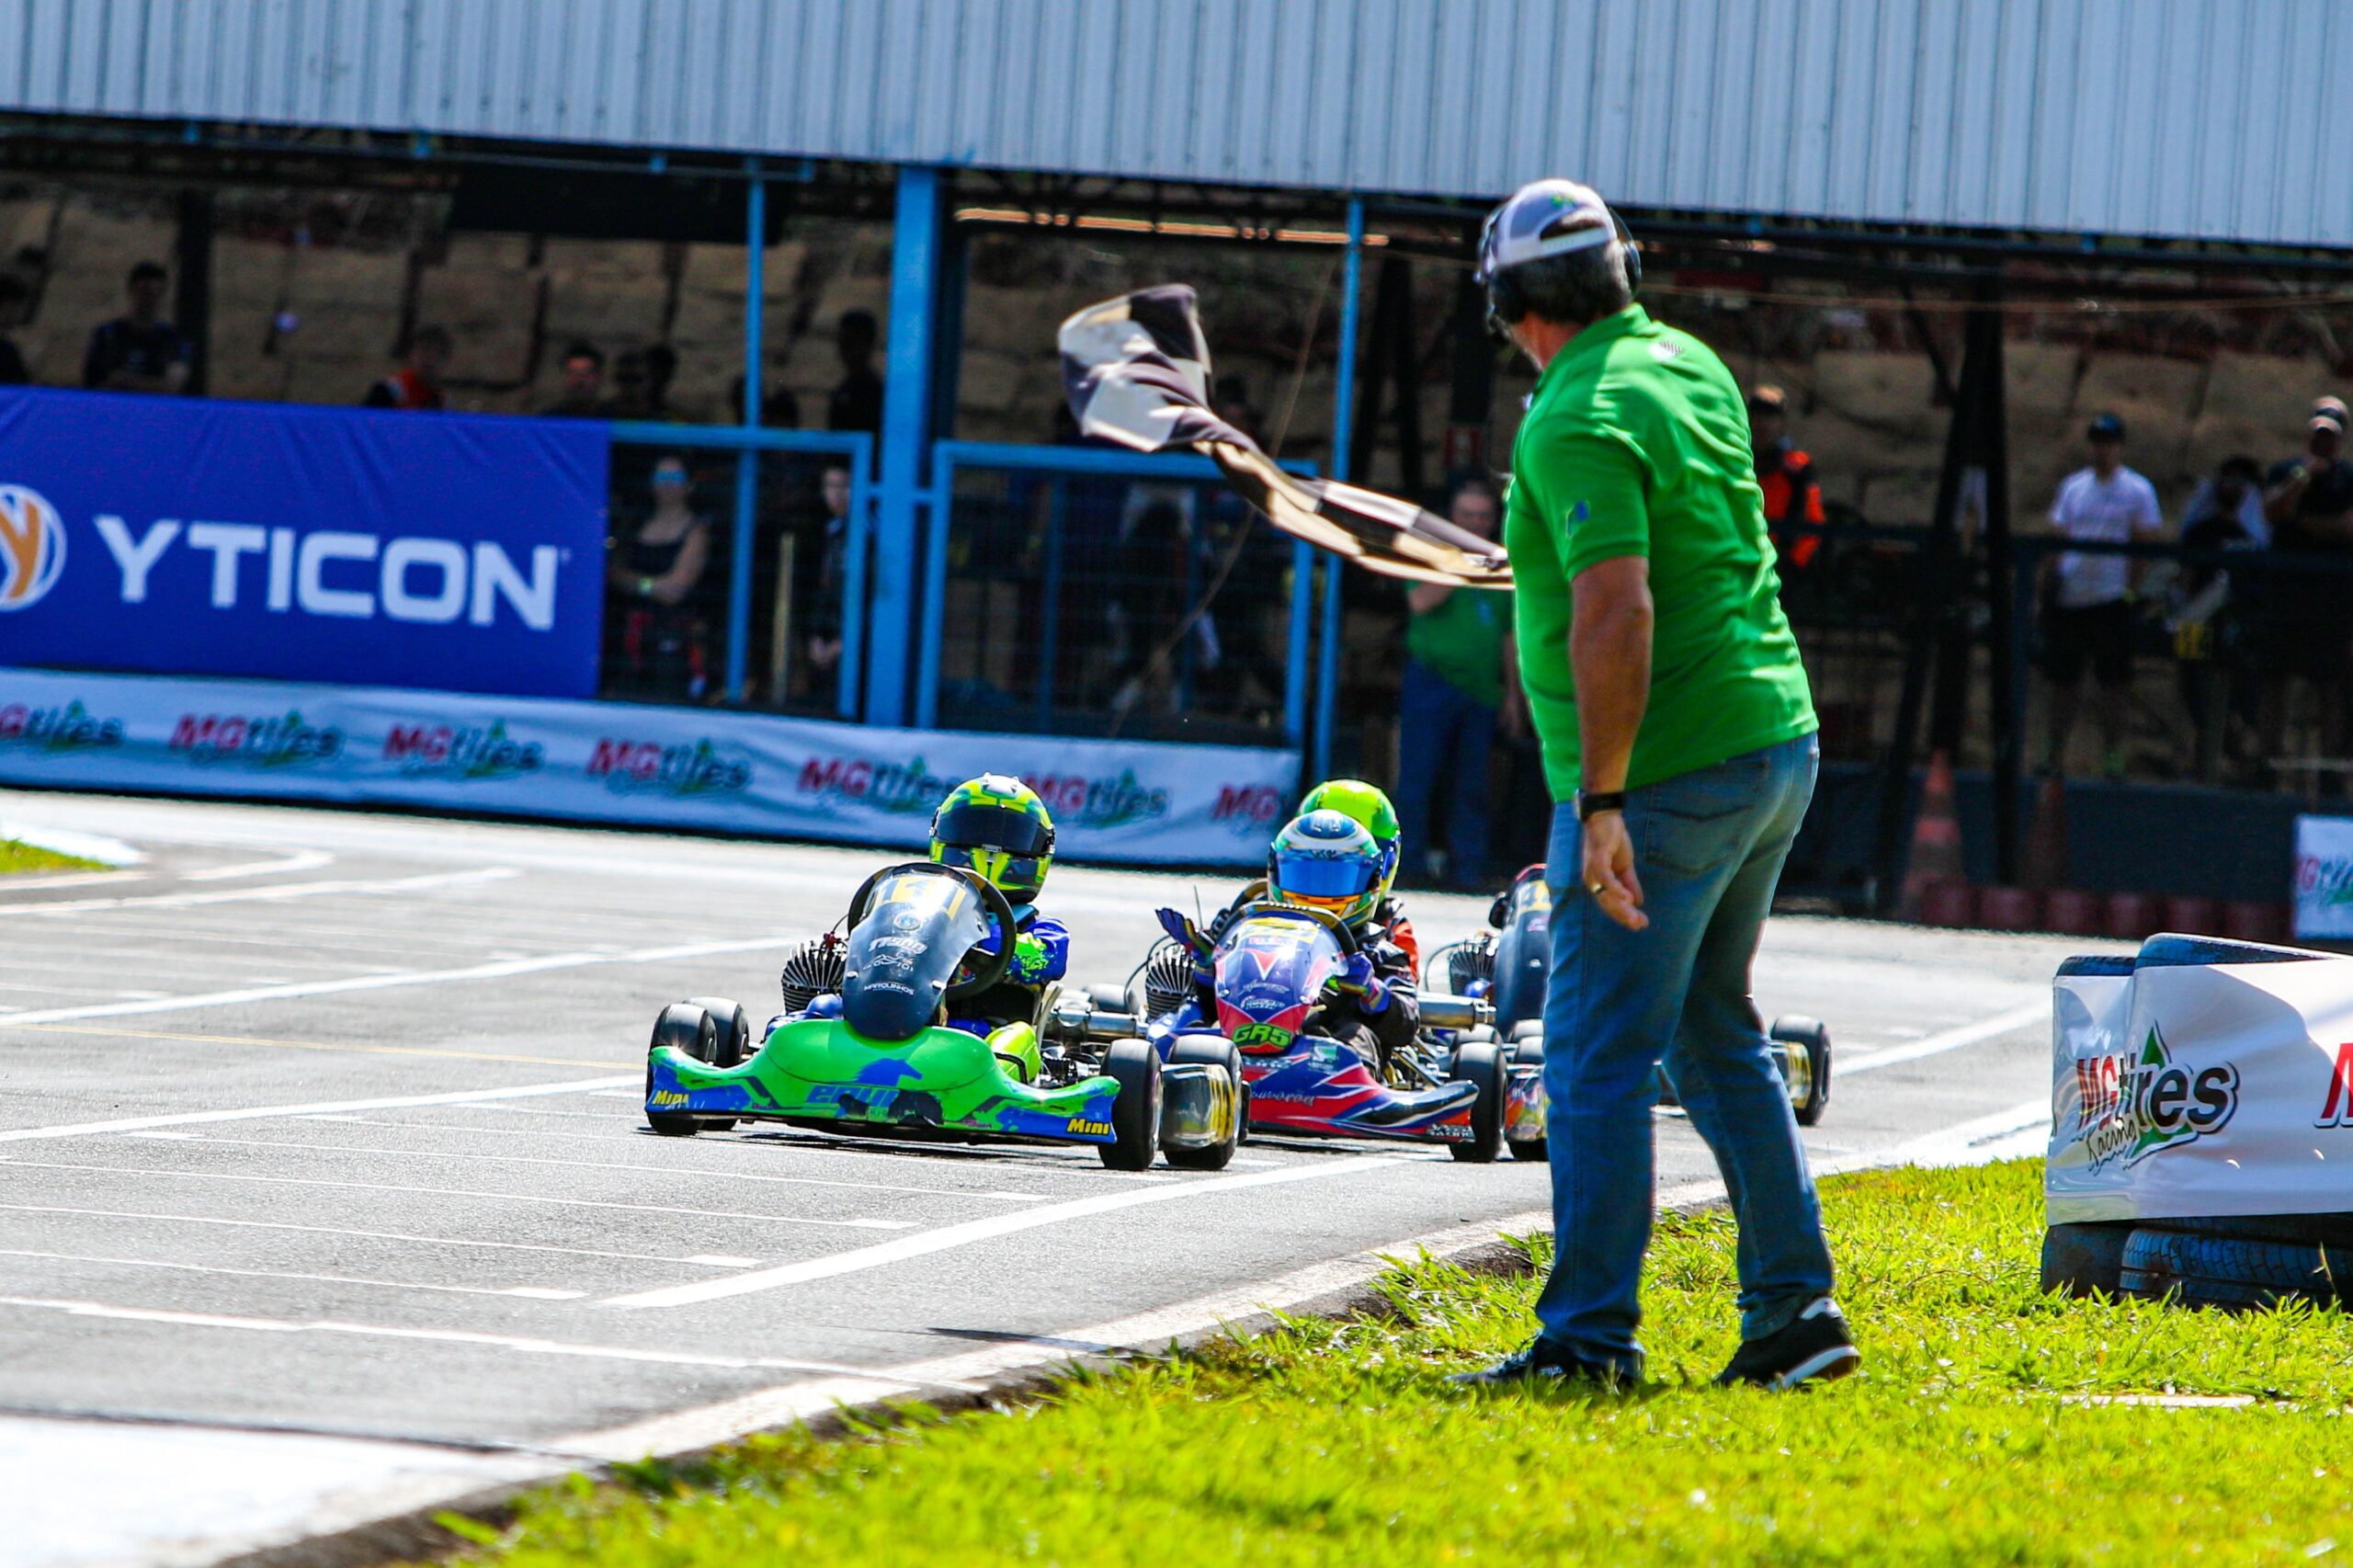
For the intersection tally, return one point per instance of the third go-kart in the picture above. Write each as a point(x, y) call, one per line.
point(1508, 967)
point(1271, 965)
point(871, 1049)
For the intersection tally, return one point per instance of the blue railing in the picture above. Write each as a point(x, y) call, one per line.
point(854, 448)
point(1058, 465)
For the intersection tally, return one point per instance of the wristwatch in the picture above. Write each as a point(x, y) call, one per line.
point(1591, 801)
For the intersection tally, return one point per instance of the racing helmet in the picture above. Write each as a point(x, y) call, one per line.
point(996, 825)
point(1327, 860)
point(1368, 804)
point(1545, 218)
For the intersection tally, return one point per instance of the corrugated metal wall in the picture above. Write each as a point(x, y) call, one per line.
point(2206, 117)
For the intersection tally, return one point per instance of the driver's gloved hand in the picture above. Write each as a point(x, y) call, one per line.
point(1183, 931)
point(1357, 980)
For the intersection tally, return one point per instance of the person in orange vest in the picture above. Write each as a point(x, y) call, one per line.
point(1792, 493)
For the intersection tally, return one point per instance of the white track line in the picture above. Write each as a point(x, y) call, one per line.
point(708, 1260)
point(2017, 1018)
point(168, 1173)
point(260, 1113)
point(71, 879)
point(252, 895)
point(942, 1238)
point(602, 1164)
point(398, 978)
point(301, 860)
point(431, 1335)
point(528, 1293)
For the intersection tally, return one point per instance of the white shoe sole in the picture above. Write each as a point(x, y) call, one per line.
point(1835, 1362)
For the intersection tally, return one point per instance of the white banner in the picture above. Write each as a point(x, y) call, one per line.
point(2200, 1089)
point(2325, 878)
point(768, 774)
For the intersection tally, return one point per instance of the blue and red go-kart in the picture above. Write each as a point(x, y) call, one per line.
point(1271, 966)
point(1510, 967)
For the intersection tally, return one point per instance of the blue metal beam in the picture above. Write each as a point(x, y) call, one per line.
point(1343, 399)
point(747, 464)
point(906, 409)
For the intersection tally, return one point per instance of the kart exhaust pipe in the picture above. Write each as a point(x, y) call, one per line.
point(1076, 1018)
point(1442, 1012)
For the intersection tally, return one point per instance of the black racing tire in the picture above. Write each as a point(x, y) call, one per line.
point(1211, 1050)
point(1528, 1051)
point(2311, 1230)
point(1481, 1064)
point(1792, 1029)
point(1135, 1114)
point(2238, 1276)
point(734, 1044)
point(2083, 1260)
point(688, 1027)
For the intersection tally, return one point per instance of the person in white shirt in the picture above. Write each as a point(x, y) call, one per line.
point(2088, 598)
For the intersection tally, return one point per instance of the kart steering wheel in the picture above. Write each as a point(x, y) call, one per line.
point(1325, 918)
point(995, 907)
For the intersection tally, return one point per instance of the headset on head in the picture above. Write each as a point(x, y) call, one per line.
point(1507, 304)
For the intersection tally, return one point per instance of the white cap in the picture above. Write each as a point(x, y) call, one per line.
point(1545, 217)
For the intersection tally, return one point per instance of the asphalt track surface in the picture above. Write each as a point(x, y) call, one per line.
point(321, 1125)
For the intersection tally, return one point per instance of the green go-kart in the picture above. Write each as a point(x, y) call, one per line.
point(872, 1052)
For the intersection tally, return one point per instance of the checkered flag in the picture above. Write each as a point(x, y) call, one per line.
point(1136, 370)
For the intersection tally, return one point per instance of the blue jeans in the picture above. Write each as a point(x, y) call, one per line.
point(1440, 724)
point(1708, 849)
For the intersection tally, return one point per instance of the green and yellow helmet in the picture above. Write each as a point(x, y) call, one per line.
point(997, 825)
point(1365, 803)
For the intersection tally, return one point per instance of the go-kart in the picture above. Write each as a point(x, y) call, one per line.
point(1271, 966)
point(870, 1049)
point(1509, 965)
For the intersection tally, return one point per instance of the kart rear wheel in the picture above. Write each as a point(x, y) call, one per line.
point(734, 1044)
point(689, 1029)
point(1212, 1051)
point(1135, 1115)
point(1481, 1064)
point(1528, 1051)
point(1809, 1036)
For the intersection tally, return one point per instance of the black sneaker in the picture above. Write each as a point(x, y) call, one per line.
point(1547, 1366)
point(1815, 1344)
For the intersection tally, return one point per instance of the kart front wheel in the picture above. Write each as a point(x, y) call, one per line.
point(1806, 1039)
point(689, 1029)
point(1528, 1051)
point(734, 1044)
point(1481, 1064)
point(1212, 1051)
point(1135, 1114)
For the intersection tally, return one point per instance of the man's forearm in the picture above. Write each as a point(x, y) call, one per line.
point(1610, 658)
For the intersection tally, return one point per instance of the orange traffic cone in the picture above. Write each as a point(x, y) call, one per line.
point(1935, 839)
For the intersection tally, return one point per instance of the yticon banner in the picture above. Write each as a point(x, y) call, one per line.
point(181, 535)
point(2201, 1090)
point(1113, 800)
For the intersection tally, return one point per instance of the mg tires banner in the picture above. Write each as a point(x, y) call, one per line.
point(2324, 879)
point(179, 536)
point(785, 778)
point(2202, 1089)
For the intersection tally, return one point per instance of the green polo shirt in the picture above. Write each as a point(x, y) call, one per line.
point(1636, 443)
point(1462, 642)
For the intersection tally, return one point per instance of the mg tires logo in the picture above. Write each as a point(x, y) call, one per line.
point(32, 547)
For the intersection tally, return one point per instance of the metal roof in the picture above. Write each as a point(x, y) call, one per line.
point(2191, 117)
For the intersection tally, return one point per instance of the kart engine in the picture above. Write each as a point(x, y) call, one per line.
point(813, 970)
point(1473, 961)
point(1167, 980)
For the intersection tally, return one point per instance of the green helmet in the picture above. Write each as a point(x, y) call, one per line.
point(1367, 804)
point(1327, 860)
point(997, 826)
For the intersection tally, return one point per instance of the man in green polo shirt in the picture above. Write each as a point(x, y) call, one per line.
point(1458, 658)
point(1678, 740)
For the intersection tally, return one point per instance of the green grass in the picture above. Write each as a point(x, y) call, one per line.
point(1966, 1440)
point(17, 855)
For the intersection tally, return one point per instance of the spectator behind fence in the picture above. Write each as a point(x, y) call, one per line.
point(821, 573)
point(2206, 610)
point(582, 396)
point(1459, 675)
point(139, 350)
point(2087, 599)
point(779, 410)
point(656, 571)
point(2307, 619)
point(417, 384)
point(856, 403)
point(1792, 493)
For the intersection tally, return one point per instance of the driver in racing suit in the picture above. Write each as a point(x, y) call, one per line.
point(995, 827)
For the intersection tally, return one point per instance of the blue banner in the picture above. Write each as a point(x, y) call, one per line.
point(182, 535)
